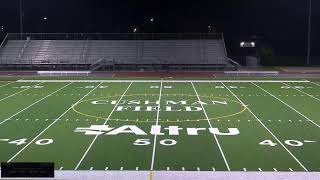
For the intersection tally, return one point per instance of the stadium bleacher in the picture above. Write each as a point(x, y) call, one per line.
point(126, 52)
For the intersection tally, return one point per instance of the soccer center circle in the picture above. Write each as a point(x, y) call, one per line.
point(215, 108)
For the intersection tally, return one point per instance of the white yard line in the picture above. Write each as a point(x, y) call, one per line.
point(95, 138)
point(19, 92)
point(292, 155)
point(56, 120)
point(157, 123)
point(33, 104)
point(7, 84)
point(215, 137)
point(164, 81)
point(287, 105)
point(314, 83)
point(302, 92)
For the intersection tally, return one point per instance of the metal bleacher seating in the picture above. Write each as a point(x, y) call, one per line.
point(194, 52)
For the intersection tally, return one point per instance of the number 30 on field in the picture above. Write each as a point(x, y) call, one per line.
point(164, 142)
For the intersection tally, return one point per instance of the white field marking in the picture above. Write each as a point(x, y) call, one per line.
point(19, 92)
point(288, 105)
point(7, 84)
point(275, 169)
point(213, 169)
point(121, 168)
point(33, 104)
point(157, 123)
point(168, 168)
point(314, 83)
point(302, 92)
point(137, 168)
point(244, 169)
point(56, 120)
point(183, 169)
point(61, 168)
point(215, 137)
point(106, 168)
point(164, 81)
point(91, 168)
point(294, 157)
point(290, 169)
point(105, 122)
point(198, 169)
point(259, 169)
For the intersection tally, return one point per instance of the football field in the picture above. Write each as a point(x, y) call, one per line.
point(160, 125)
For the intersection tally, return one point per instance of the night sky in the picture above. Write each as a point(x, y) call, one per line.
point(282, 23)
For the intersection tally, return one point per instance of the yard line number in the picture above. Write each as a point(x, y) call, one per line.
point(18, 142)
point(290, 142)
point(146, 142)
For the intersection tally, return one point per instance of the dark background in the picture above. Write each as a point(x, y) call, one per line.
point(280, 24)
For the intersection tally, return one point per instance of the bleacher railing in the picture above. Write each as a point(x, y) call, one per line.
point(114, 36)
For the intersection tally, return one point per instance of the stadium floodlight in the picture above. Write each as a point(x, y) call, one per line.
point(244, 44)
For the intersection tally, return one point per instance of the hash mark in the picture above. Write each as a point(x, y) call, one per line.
point(275, 169)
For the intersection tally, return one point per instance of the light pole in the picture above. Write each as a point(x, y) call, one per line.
point(21, 20)
point(309, 32)
point(152, 26)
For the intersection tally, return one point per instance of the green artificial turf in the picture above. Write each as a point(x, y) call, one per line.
point(206, 126)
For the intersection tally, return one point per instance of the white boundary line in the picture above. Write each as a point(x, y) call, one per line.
point(287, 105)
point(155, 136)
point(7, 84)
point(19, 92)
point(52, 124)
point(158, 81)
point(33, 104)
point(95, 138)
point(215, 137)
point(294, 157)
point(302, 92)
